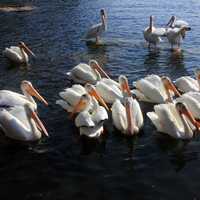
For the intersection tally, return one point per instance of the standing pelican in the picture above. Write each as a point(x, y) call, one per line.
point(174, 120)
point(22, 123)
point(110, 90)
point(71, 96)
point(90, 120)
point(96, 30)
point(84, 73)
point(155, 89)
point(18, 54)
point(9, 98)
point(152, 34)
point(128, 119)
point(189, 84)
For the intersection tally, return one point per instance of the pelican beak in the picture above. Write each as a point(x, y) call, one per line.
point(28, 50)
point(33, 92)
point(190, 116)
point(170, 86)
point(125, 88)
point(39, 123)
point(78, 107)
point(129, 119)
point(95, 94)
point(96, 66)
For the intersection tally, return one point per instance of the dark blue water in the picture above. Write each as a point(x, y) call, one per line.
point(65, 166)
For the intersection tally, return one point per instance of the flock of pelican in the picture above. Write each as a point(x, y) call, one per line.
point(94, 96)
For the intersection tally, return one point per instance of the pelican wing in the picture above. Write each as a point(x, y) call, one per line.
point(94, 31)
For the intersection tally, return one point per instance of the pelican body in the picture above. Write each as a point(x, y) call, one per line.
point(96, 30)
point(189, 84)
point(155, 89)
point(18, 54)
point(21, 123)
point(174, 120)
point(10, 98)
point(127, 119)
point(84, 73)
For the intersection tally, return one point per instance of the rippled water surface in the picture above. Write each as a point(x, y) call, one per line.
point(65, 167)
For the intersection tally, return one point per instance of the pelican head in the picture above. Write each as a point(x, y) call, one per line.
point(183, 110)
point(22, 45)
point(103, 13)
point(28, 88)
point(94, 65)
point(169, 86)
point(129, 115)
point(31, 114)
point(82, 104)
point(93, 92)
point(123, 82)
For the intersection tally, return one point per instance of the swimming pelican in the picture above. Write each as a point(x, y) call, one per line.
point(84, 73)
point(192, 100)
point(152, 34)
point(22, 123)
point(90, 120)
point(128, 119)
point(9, 98)
point(174, 119)
point(96, 30)
point(18, 54)
point(155, 89)
point(189, 84)
point(111, 90)
point(71, 96)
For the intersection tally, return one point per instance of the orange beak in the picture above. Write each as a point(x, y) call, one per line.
point(94, 93)
point(39, 123)
point(28, 50)
point(33, 92)
point(129, 119)
point(125, 88)
point(78, 108)
point(189, 115)
point(100, 70)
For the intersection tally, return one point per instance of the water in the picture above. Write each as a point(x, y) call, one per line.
point(63, 166)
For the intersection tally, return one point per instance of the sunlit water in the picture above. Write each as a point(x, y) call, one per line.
point(63, 166)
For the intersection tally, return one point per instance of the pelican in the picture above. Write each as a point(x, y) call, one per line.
point(111, 90)
point(22, 123)
point(152, 34)
point(189, 84)
point(174, 119)
point(84, 73)
point(71, 96)
point(18, 54)
point(192, 100)
point(9, 98)
point(155, 89)
point(128, 119)
point(96, 30)
point(90, 120)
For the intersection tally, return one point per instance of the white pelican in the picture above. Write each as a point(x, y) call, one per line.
point(128, 119)
point(155, 89)
point(84, 73)
point(110, 90)
point(21, 123)
point(90, 120)
point(192, 100)
point(174, 120)
point(152, 34)
point(9, 98)
point(96, 30)
point(189, 84)
point(18, 54)
point(71, 96)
